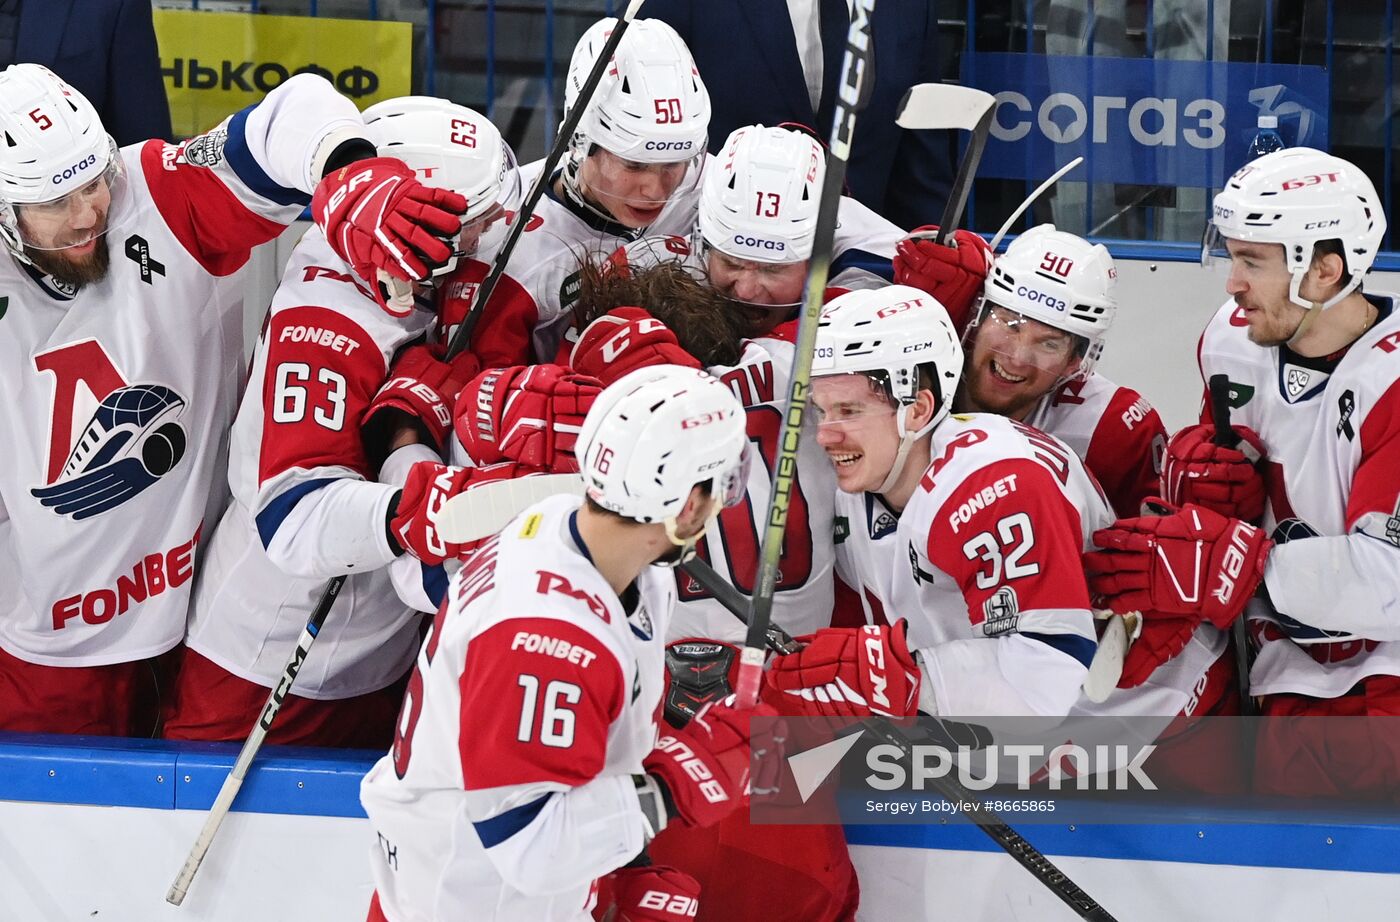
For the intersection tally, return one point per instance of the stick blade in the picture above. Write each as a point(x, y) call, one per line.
point(943, 105)
point(484, 510)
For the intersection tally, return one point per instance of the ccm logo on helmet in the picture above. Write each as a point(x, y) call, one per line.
point(759, 243)
point(1050, 301)
point(1319, 225)
point(75, 169)
point(668, 145)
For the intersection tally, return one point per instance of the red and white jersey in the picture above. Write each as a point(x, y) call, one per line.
point(802, 597)
point(509, 789)
point(1331, 433)
point(1114, 430)
point(119, 395)
point(541, 280)
point(984, 562)
point(305, 505)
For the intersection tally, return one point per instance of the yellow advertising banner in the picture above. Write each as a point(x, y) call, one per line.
point(217, 63)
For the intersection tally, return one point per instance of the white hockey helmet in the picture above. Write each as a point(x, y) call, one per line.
point(654, 434)
point(452, 147)
point(1059, 279)
point(888, 334)
point(1299, 197)
point(53, 150)
point(650, 106)
point(759, 198)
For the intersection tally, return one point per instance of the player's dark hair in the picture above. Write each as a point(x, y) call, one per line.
point(696, 313)
point(707, 487)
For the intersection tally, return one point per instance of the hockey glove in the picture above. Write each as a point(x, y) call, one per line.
point(698, 672)
point(952, 274)
point(1191, 562)
point(705, 766)
point(1223, 480)
point(377, 215)
point(657, 893)
point(429, 485)
point(623, 340)
point(530, 414)
point(850, 672)
point(423, 386)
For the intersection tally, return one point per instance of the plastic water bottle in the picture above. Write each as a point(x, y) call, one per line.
point(1267, 139)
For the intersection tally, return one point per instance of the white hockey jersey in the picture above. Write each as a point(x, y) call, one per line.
point(802, 596)
point(1331, 431)
point(509, 789)
point(119, 396)
point(984, 562)
point(1114, 430)
point(305, 505)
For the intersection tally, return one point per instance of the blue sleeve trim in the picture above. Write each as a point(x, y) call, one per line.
point(434, 583)
point(498, 828)
point(272, 516)
point(247, 168)
point(861, 259)
point(1081, 648)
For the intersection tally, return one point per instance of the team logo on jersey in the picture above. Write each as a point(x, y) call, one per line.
point(207, 150)
point(1002, 611)
point(108, 440)
point(139, 252)
point(640, 622)
point(884, 524)
point(131, 441)
point(1346, 405)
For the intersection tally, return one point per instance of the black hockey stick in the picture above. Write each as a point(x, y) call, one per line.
point(462, 336)
point(853, 91)
point(1225, 437)
point(947, 786)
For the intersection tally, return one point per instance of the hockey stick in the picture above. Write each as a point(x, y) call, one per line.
point(956, 107)
point(561, 143)
point(1030, 200)
point(229, 790)
point(1226, 438)
point(947, 786)
point(482, 511)
point(852, 94)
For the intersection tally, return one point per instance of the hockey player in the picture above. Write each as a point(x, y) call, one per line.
point(331, 428)
point(633, 167)
point(527, 764)
point(122, 359)
point(965, 532)
point(1313, 364)
point(1031, 350)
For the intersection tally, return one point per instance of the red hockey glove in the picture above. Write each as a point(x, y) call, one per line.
point(1190, 562)
point(1223, 480)
point(377, 215)
point(425, 387)
point(429, 485)
point(623, 340)
point(953, 275)
point(1160, 637)
point(705, 766)
point(526, 413)
point(850, 672)
point(658, 893)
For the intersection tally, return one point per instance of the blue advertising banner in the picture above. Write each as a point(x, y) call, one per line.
point(1139, 120)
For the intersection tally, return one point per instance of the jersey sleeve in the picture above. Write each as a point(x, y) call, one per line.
point(863, 249)
point(539, 696)
point(241, 183)
point(1011, 540)
point(318, 511)
point(1126, 450)
point(1351, 583)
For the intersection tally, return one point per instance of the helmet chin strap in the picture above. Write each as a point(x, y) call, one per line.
point(906, 442)
point(1315, 308)
point(688, 545)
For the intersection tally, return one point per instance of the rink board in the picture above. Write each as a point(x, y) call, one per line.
point(98, 831)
